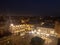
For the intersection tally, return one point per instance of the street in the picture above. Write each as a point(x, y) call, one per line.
point(21, 40)
point(15, 40)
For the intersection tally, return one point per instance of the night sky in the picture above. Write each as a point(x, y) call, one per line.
point(34, 7)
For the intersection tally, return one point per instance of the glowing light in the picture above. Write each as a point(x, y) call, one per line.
point(42, 33)
point(42, 23)
point(52, 32)
point(11, 25)
point(23, 21)
point(40, 18)
point(16, 31)
point(39, 30)
point(32, 31)
point(35, 31)
point(22, 34)
point(17, 25)
point(38, 33)
point(47, 34)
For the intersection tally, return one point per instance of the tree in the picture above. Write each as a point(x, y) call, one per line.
point(37, 41)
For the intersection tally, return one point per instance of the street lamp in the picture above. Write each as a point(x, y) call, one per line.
point(11, 25)
point(42, 23)
point(11, 28)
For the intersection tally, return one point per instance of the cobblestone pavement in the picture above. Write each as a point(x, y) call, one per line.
point(17, 40)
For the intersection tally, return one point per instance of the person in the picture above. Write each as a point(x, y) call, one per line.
point(37, 41)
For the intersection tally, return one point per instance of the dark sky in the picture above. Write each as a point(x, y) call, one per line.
point(40, 7)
